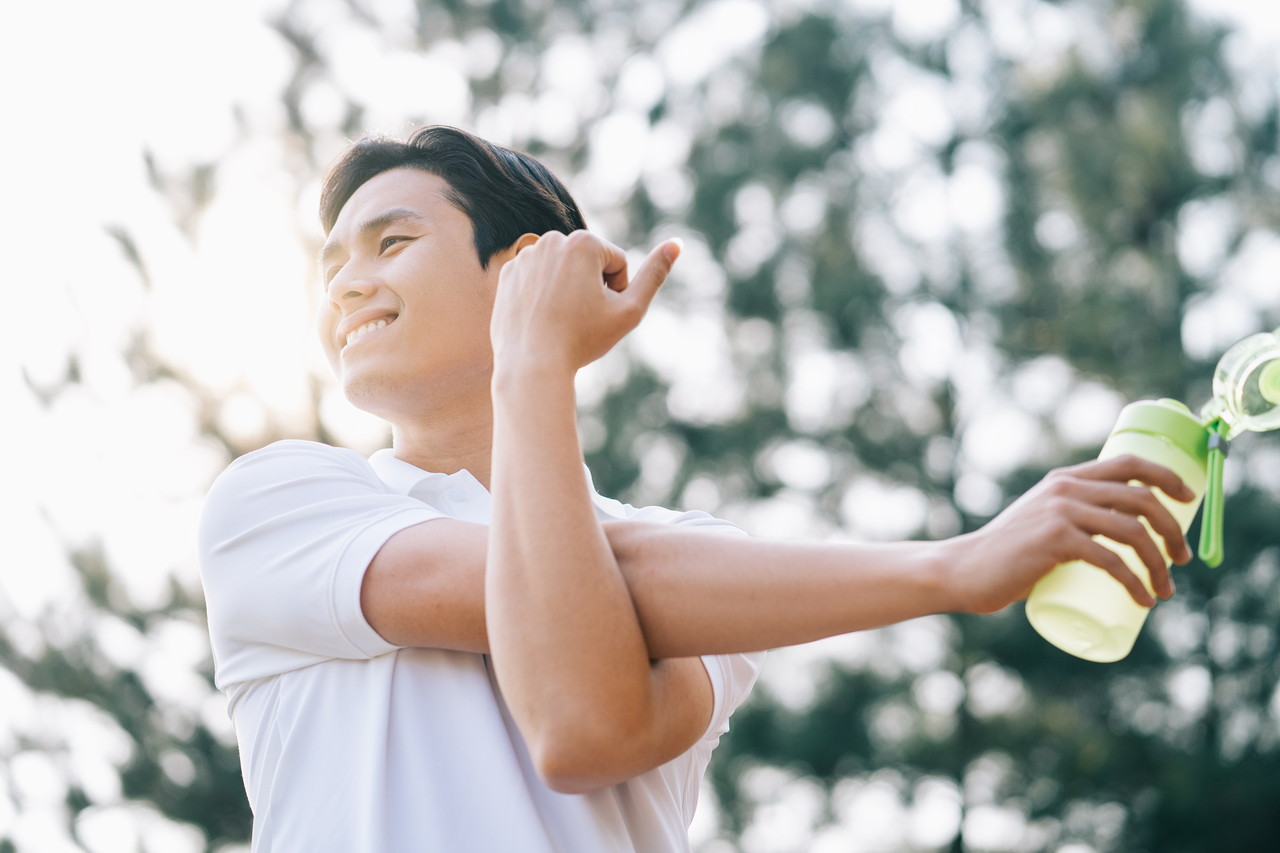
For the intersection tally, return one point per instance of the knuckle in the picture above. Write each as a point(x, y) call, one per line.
point(1060, 486)
point(1078, 469)
point(1058, 505)
point(1132, 463)
point(1133, 529)
point(1143, 495)
point(1113, 565)
point(1059, 528)
point(1155, 511)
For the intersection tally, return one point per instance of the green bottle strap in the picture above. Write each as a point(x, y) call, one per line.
point(1211, 550)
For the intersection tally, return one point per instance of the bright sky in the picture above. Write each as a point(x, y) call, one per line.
point(89, 84)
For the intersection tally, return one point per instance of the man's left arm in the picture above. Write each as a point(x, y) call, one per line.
point(564, 623)
point(565, 640)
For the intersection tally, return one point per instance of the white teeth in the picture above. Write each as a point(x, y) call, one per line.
point(359, 333)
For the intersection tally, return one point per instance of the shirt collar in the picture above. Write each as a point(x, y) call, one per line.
point(406, 478)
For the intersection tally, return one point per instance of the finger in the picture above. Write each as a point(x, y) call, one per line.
point(1138, 501)
point(613, 264)
point(1099, 555)
point(585, 249)
point(653, 272)
point(1127, 530)
point(1129, 467)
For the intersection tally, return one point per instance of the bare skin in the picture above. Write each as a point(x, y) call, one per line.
point(594, 628)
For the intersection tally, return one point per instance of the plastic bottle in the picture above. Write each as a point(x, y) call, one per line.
point(1077, 606)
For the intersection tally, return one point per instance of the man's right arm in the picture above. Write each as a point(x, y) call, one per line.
point(704, 593)
point(695, 592)
point(425, 587)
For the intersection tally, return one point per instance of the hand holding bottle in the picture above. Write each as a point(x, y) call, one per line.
point(1081, 610)
point(1057, 522)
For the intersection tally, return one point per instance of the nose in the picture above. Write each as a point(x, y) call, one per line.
point(347, 287)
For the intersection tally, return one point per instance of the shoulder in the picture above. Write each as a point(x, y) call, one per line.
point(283, 476)
point(291, 461)
point(663, 515)
point(296, 453)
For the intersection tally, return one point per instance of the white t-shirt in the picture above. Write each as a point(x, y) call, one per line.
point(350, 744)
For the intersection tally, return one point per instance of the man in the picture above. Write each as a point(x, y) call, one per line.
point(457, 645)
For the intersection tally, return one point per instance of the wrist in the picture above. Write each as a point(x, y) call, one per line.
point(536, 375)
point(950, 570)
point(934, 577)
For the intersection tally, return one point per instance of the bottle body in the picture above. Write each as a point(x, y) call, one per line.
point(1080, 608)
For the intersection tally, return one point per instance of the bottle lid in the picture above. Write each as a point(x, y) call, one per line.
point(1246, 386)
point(1171, 419)
point(1269, 381)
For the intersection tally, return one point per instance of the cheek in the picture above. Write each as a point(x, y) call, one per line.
point(325, 326)
point(484, 294)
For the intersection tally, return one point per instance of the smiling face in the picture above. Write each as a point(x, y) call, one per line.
point(405, 319)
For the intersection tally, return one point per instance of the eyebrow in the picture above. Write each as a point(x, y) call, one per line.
point(371, 226)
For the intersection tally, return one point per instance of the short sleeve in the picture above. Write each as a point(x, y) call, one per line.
point(732, 676)
point(285, 537)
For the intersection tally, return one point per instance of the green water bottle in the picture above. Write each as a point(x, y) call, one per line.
point(1077, 606)
point(1082, 609)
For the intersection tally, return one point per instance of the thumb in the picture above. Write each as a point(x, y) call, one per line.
point(653, 272)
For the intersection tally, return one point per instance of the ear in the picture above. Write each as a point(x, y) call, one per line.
point(521, 243)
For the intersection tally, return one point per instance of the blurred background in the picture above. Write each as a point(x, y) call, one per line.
point(932, 248)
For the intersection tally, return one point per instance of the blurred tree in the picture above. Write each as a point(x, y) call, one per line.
point(1104, 154)
point(931, 250)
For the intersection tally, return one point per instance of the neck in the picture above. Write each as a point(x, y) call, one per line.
point(448, 442)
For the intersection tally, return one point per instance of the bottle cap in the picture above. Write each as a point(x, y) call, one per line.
point(1170, 419)
point(1269, 381)
point(1246, 386)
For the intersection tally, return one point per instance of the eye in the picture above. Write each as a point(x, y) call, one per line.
point(388, 242)
point(328, 276)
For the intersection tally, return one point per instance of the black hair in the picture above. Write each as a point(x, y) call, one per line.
point(504, 193)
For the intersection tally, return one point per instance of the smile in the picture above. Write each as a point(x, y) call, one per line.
point(367, 329)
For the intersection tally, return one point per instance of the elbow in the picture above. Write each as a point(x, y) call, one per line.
point(567, 773)
point(569, 780)
point(582, 759)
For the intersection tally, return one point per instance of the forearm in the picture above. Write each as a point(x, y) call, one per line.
point(703, 593)
point(563, 633)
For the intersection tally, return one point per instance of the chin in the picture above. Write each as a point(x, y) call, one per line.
point(396, 398)
point(375, 393)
